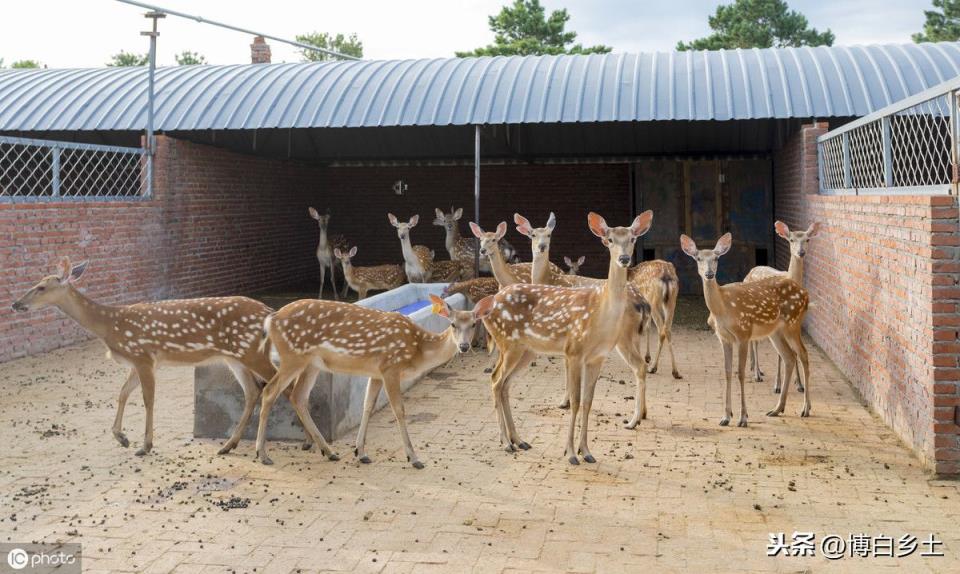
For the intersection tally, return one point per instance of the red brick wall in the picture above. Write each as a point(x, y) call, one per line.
point(883, 280)
point(218, 224)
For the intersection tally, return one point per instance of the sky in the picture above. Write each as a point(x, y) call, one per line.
point(85, 33)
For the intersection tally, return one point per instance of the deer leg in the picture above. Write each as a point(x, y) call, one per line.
point(524, 361)
point(800, 349)
point(728, 373)
point(589, 381)
point(274, 387)
point(370, 401)
point(300, 399)
point(754, 363)
point(660, 323)
point(574, 372)
point(392, 386)
point(333, 280)
point(631, 355)
point(508, 362)
point(742, 349)
point(789, 361)
point(323, 279)
point(132, 381)
point(800, 387)
point(646, 326)
point(251, 392)
point(671, 308)
point(147, 387)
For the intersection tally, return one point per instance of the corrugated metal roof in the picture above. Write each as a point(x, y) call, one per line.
point(719, 85)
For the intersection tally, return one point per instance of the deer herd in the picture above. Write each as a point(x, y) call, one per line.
point(526, 310)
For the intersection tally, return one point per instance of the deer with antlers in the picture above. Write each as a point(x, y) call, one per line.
point(742, 312)
point(464, 249)
point(573, 267)
point(144, 336)
point(371, 278)
point(582, 325)
point(325, 247)
point(388, 347)
point(417, 259)
point(798, 249)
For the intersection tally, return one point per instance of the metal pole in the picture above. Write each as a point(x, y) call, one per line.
point(55, 166)
point(887, 141)
point(847, 168)
point(954, 174)
point(476, 194)
point(151, 72)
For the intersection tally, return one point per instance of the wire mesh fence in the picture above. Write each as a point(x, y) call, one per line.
point(905, 148)
point(36, 170)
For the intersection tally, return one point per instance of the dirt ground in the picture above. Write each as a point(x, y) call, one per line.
point(678, 494)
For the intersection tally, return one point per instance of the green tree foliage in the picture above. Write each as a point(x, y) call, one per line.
point(348, 45)
point(758, 24)
point(25, 64)
point(523, 28)
point(943, 23)
point(128, 59)
point(188, 58)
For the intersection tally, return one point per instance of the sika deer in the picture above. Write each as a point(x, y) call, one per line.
point(464, 249)
point(311, 335)
point(417, 259)
point(743, 312)
point(583, 325)
point(798, 248)
point(144, 336)
point(325, 248)
point(541, 271)
point(373, 278)
point(658, 282)
point(573, 267)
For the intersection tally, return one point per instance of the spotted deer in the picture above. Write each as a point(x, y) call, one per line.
point(417, 259)
point(541, 269)
point(310, 336)
point(325, 247)
point(573, 267)
point(450, 270)
point(742, 312)
point(798, 249)
point(660, 285)
point(582, 325)
point(464, 249)
point(372, 278)
point(505, 273)
point(144, 336)
point(474, 289)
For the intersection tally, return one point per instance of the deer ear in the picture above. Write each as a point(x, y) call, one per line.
point(688, 246)
point(813, 229)
point(439, 212)
point(523, 225)
point(392, 218)
point(597, 225)
point(782, 229)
point(414, 220)
point(551, 221)
point(440, 306)
point(337, 253)
point(458, 214)
point(501, 230)
point(77, 271)
point(313, 213)
point(723, 244)
point(353, 251)
point(484, 307)
point(64, 268)
point(581, 260)
point(641, 223)
point(567, 261)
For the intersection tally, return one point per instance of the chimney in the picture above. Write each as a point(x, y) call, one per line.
point(259, 51)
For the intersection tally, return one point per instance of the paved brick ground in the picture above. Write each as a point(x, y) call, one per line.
point(679, 494)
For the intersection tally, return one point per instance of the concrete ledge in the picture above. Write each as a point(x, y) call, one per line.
point(336, 402)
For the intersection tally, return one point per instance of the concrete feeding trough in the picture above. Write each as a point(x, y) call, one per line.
point(336, 402)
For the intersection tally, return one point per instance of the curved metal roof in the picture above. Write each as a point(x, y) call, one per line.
point(717, 85)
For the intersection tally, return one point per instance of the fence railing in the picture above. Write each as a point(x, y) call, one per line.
point(42, 170)
point(909, 147)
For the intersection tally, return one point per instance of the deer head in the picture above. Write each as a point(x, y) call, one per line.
point(574, 266)
point(52, 288)
point(706, 258)
point(345, 257)
point(463, 323)
point(489, 240)
point(403, 229)
point(797, 239)
point(448, 221)
point(539, 236)
point(620, 240)
point(322, 220)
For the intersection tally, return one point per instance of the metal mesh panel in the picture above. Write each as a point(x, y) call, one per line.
point(38, 169)
point(920, 144)
point(866, 156)
point(831, 163)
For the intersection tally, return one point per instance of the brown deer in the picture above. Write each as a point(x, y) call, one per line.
point(464, 249)
point(450, 271)
point(658, 281)
point(505, 273)
point(541, 269)
point(742, 312)
point(798, 249)
point(573, 267)
point(311, 335)
point(325, 247)
point(474, 289)
point(144, 336)
point(372, 278)
point(417, 259)
point(582, 325)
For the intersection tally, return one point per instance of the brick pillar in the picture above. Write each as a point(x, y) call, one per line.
point(810, 175)
point(259, 51)
point(945, 251)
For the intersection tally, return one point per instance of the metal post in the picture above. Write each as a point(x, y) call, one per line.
point(847, 168)
point(151, 71)
point(55, 167)
point(954, 173)
point(476, 194)
point(886, 138)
